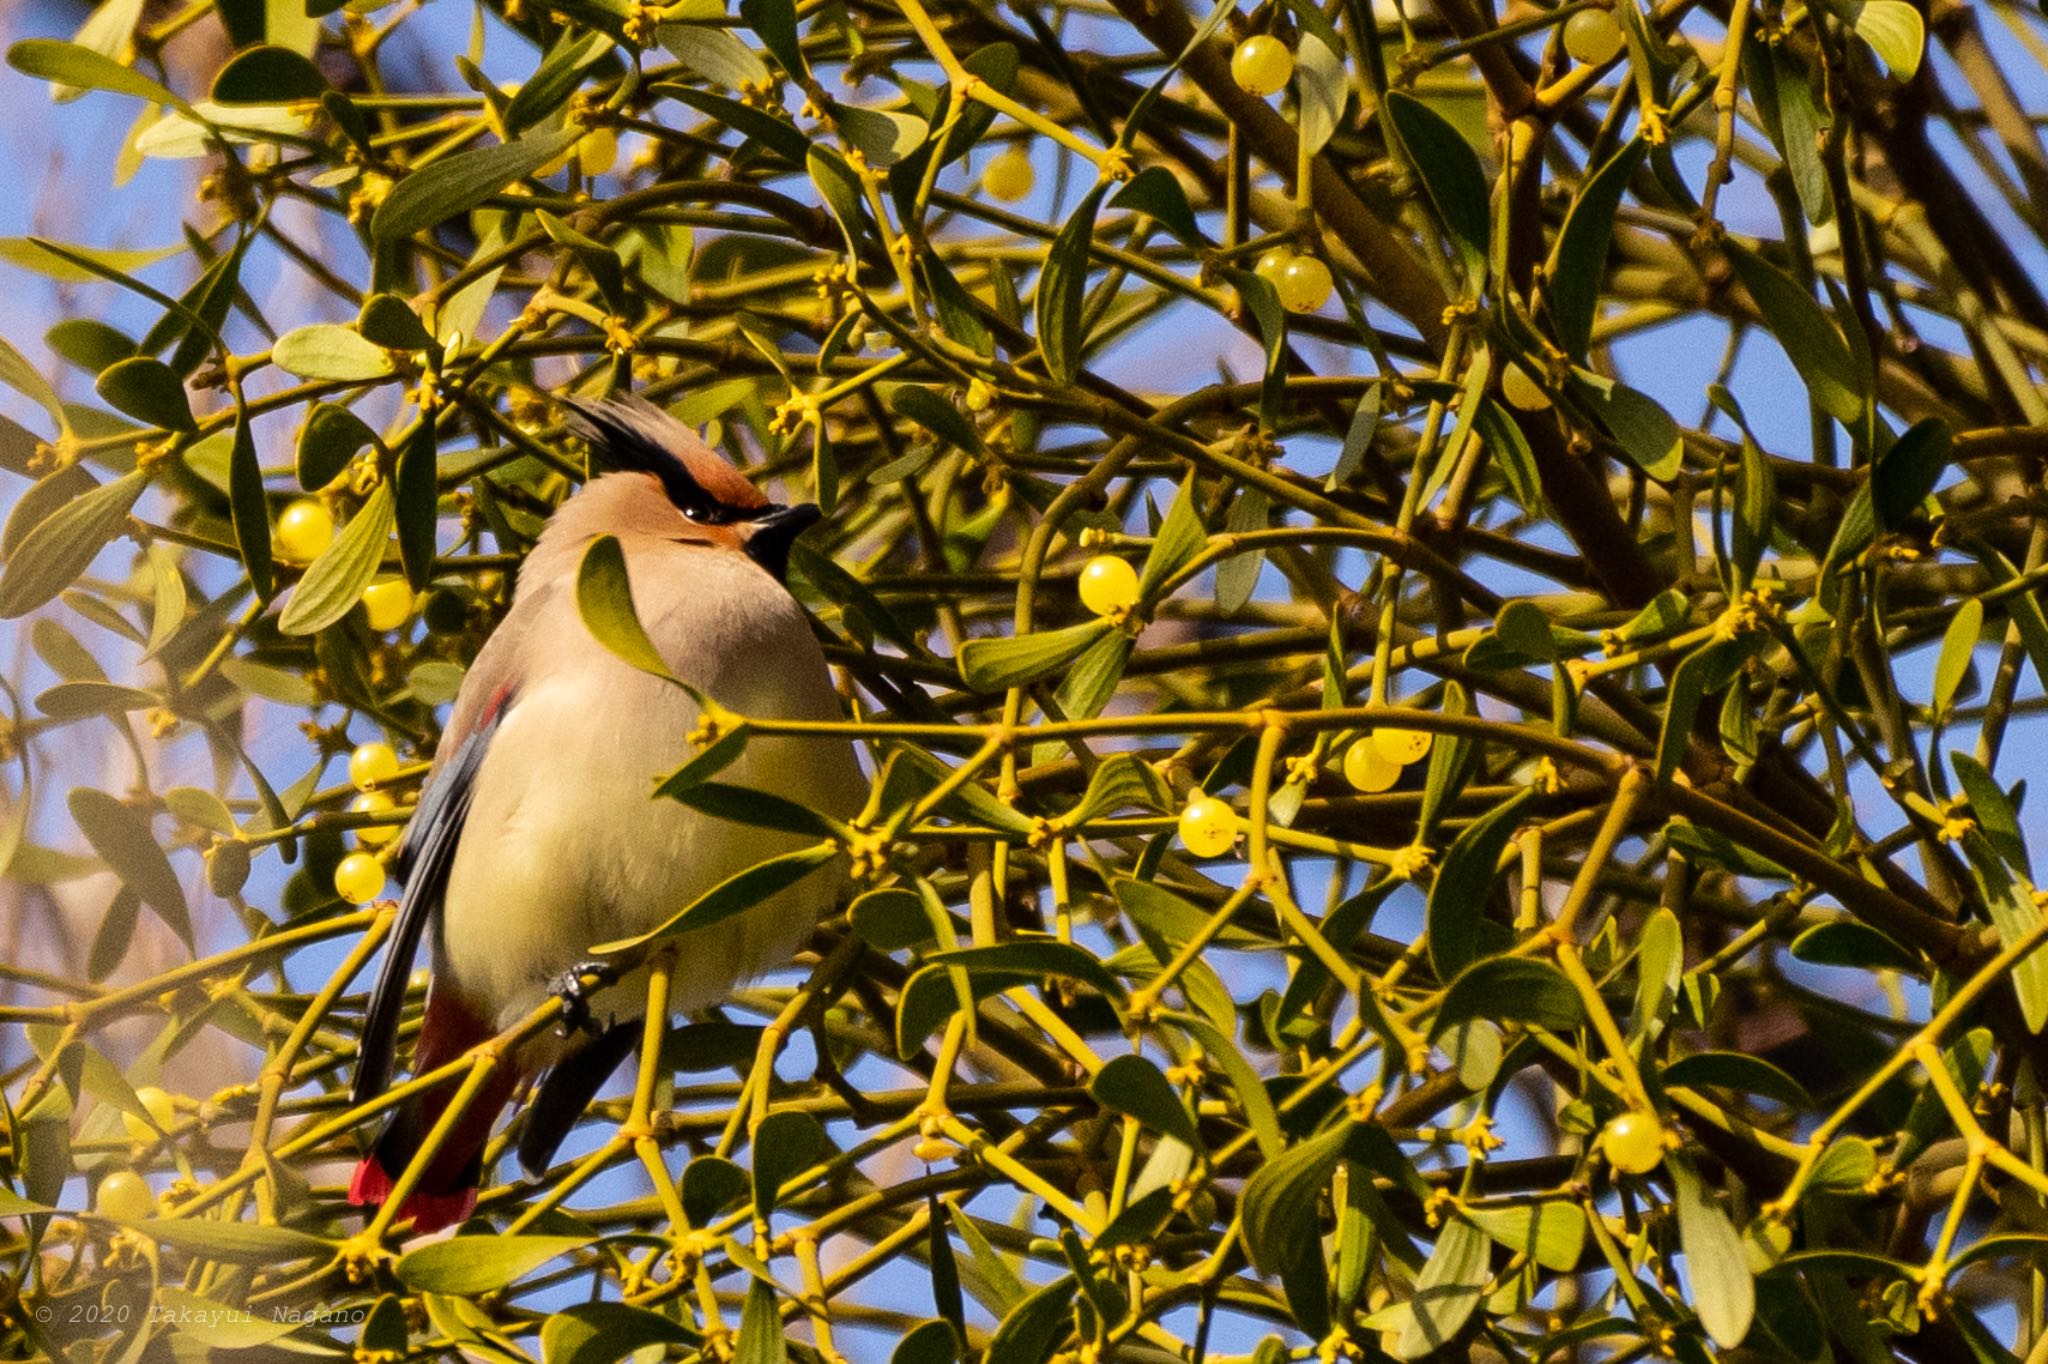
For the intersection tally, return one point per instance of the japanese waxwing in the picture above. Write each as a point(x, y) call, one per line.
point(537, 834)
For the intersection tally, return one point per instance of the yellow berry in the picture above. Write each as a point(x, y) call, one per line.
point(1273, 265)
point(1521, 391)
point(1261, 65)
point(1402, 746)
point(1305, 285)
point(1592, 37)
point(597, 153)
point(371, 765)
point(1633, 1143)
point(1009, 176)
point(123, 1195)
point(1208, 827)
point(979, 395)
point(388, 604)
point(161, 1111)
point(1367, 770)
point(304, 530)
point(359, 878)
point(1109, 584)
point(374, 803)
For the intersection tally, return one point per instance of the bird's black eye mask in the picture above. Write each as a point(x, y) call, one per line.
point(634, 435)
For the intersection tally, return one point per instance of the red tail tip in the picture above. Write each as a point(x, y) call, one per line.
point(371, 1187)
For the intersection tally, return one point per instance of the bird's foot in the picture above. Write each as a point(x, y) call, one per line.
point(570, 989)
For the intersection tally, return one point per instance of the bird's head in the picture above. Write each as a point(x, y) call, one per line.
point(702, 498)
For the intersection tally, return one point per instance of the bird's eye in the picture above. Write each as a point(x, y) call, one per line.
point(702, 513)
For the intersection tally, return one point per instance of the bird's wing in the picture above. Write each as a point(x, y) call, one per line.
point(427, 851)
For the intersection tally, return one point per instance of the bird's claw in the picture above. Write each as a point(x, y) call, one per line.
point(575, 995)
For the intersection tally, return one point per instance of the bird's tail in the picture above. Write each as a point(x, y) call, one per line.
point(447, 1188)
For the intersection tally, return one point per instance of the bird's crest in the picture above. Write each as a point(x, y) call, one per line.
point(630, 433)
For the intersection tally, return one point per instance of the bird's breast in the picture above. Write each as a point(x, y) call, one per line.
point(566, 845)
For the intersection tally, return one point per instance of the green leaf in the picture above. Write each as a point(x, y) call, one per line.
point(1092, 680)
point(1510, 989)
point(65, 63)
point(2010, 898)
point(1578, 264)
point(330, 351)
point(928, 1342)
point(1365, 420)
point(1321, 89)
point(1449, 170)
point(714, 54)
point(1993, 810)
point(711, 1184)
point(63, 544)
point(1252, 1097)
point(415, 504)
point(268, 75)
point(553, 81)
point(1738, 1071)
point(1034, 1326)
point(1895, 32)
point(925, 407)
point(839, 186)
point(1906, 472)
point(89, 343)
point(387, 320)
point(604, 594)
point(1448, 1289)
point(1848, 943)
point(1062, 289)
point(1639, 424)
point(606, 1332)
point(1551, 1231)
point(1280, 1199)
point(335, 581)
point(469, 1265)
point(1133, 1086)
point(1958, 644)
point(455, 184)
point(1120, 781)
point(883, 137)
point(891, 919)
point(991, 665)
point(1155, 193)
point(775, 22)
point(124, 842)
point(1032, 958)
point(758, 809)
point(734, 895)
point(18, 374)
point(1846, 1167)
point(1808, 335)
point(236, 1243)
point(1660, 965)
point(761, 1340)
point(148, 390)
point(331, 438)
point(785, 1145)
point(1756, 494)
point(1458, 898)
point(1264, 301)
point(218, 1325)
point(1715, 1266)
point(1689, 686)
point(761, 128)
point(250, 510)
point(1180, 538)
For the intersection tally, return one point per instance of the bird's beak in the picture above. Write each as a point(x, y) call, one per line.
point(771, 535)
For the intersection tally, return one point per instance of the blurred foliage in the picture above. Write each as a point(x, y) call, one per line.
point(1490, 865)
